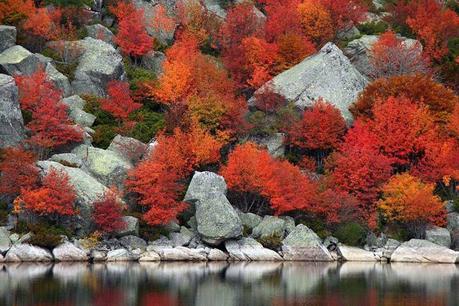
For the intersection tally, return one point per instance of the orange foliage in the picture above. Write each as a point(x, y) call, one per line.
point(392, 56)
point(40, 24)
point(344, 13)
point(56, 196)
point(162, 23)
point(17, 171)
point(453, 124)
point(418, 88)
point(14, 11)
point(253, 173)
point(406, 199)
point(292, 49)
point(316, 21)
point(433, 25)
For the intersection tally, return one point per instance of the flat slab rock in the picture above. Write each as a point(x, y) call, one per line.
point(179, 253)
point(302, 244)
point(417, 250)
point(349, 253)
point(251, 250)
point(27, 253)
point(69, 252)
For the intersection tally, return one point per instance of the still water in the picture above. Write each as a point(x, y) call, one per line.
point(222, 284)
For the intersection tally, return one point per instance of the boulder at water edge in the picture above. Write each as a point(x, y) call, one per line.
point(11, 123)
point(27, 252)
point(69, 252)
point(417, 250)
point(349, 253)
point(303, 244)
point(328, 74)
point(250, 249)
point(439, 235)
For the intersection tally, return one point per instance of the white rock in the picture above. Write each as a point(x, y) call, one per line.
point(251, 250)
point(149, 256)
point(349, 253)
point(27, 252)
point(217, 255)
point(417, 250)
point(69, 252)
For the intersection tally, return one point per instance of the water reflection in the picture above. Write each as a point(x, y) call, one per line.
point(223, 284)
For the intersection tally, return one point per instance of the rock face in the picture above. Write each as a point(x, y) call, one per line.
point(121, 255)
point(98, 64)
point(11, 123)
point(303, 244)
point(179, 253)
point(250, 249)
point(98, 31)
point(150, 11)
point(5, 241)
point(106, 166)
point(417, 250)
point(153, 60)
point(439, 235)
point(132, 226)
point(76, 113)
point(181, 238)
point(68, 252)
point(273, 143)
point(249, 220)
point(132, 242)
point(349, 253)
point(359, 51)
point(67, 159)
point(129, 149)
point(328, 74)
point(59, 80)
point(7, 37)
point(270, 226)
point(453, 221)
point(27, 252)
point(87, 188)
point(216, 218)
point(19, 60)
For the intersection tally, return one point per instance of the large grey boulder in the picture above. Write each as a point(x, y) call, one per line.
point(67, 159)
point(250, 249)
point(269, 227)
point(149, 257)
point(69, 252)
point(59, 80)
point(99, 64)
point(106, 166)
point(7, 37)
point(154, 60)
point(75, 106)
point(151, 9)
point(179, 253)
point(181, 238)
point(18, 60)
point(128, 148)
point(216, 219)
point(98, 31)
point(131, 228)
point(122, 255)
point(249, 220)
point(417, 250)
point(453, 221)
point(27, 252)
point(11, 123)
point(88, 190)
point(328, 74)
point(275, 144)
point(5, 241)
point(203, 185)
point(359, 53)
point(349, 253)
point(439, 235)
point(303, 244)
point(132, 242)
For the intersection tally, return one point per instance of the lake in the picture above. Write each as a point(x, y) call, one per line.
point(223, 284)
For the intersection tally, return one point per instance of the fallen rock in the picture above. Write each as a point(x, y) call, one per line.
point(328, 74)
point(98, 31)
point(99, 64)
point(59, 80)
point(389, 248)
point(97, 255)
point(182, 238)
point(179, 253)
point(131, 228)
point(269, 227)
point(7, 37)
point(204, 185)
point(217, 255)
point(149, 257)
point(417, 250)
point(250, 249)
point(5, 241)
point(439, 235)
point(249, 220)
point(12, 130)
point(453, 221)
point(75, 108)
point(121, 255)
point(67, 159)
point(130, 149)
point(132, 242)
point(69, 252)
point(331, 243)
point(154, 60)
point(349, 253)
point(27, 253)
point(455, 240)
point(303, 244)
point(18, 60)
point(106, 166)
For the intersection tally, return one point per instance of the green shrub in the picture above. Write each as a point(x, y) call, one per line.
point(150, 123)
point(137, 74)
point(271, 242)
point(104, 135)
point(456, 204)
point(351, 234)
point(318, 226)
point(372, 28)
point(47, 236)
point(3, 212)
point(92, 106)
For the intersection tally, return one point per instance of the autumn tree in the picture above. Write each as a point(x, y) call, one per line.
point(320, 130)
point(119, 102)
point(344, 13)
point(12, 12)
point(418, 88)
point(132, 37)
point(54, 198)
point(453, 124)
point(316, 21)
point(392, 56)
point(17, 171)
point(407, 200)
point(108, 213)
point(162, 23)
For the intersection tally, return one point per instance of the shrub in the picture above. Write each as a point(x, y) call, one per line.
point(372, 28)
point(148, 124)
point(351, 234)
point(104, 135)
point(273, 242)
point(46, 235)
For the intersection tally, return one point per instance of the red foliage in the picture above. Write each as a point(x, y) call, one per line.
point(453, 124)
point(433, 25)
point(119, 103)
point(55, 196)
point(321, 128)
point(17, 171)
point(268, 101)
point(41, 24)
point(14, 11)
point(132, 37)
point(316, 21)
point(344, 13)
point(392, 56)
point(252, 171)
point(107, 213)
